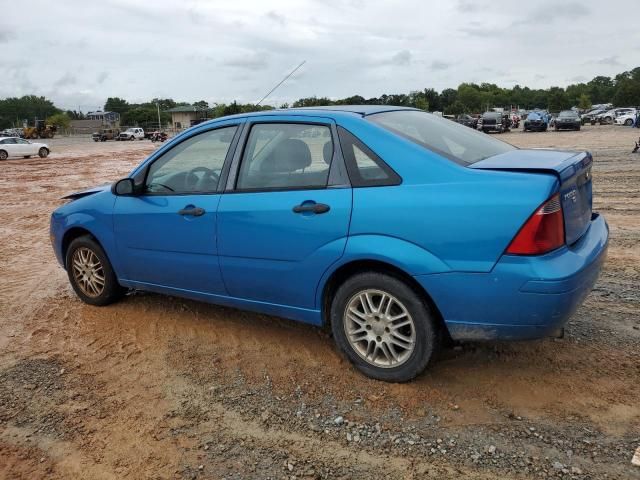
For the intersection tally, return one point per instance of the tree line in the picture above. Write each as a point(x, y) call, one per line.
point(623, 90)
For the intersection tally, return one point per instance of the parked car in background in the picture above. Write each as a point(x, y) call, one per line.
point(627, 119)
point(567, 120)
point(12, 132)
point(590, 116)
point(310, 214)
point(467, 121)
point(105, 134)
point(536, 121)
point(19, 147)
point(132, 134)
point(494, 122)
point(609, 116)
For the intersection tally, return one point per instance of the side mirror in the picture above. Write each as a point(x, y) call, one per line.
point(123, 187)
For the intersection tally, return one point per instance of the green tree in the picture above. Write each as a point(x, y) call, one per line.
point(584, 102)
point(116, 104)
point(201, 105)
point(60, 120)
point(557, 100)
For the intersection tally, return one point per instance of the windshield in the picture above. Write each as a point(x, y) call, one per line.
point(568, 113)
point(452, 140)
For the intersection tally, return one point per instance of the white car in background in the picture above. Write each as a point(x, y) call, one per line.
point(626, 119)
point(132, 134)
point(19, 147)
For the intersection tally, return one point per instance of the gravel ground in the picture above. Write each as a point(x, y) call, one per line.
point(160, 387)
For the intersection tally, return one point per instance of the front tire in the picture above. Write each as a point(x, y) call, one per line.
point(3, 155)
point(383, 326)
point(90, 273)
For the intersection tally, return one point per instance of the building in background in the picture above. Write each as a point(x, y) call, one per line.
point(108, 118)
point(186, 116)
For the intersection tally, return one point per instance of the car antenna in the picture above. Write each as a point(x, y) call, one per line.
point(281, 82)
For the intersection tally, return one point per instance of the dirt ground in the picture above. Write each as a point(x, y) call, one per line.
point(159, 387)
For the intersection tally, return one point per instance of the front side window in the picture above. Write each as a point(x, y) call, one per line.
point(192, 166)
point(286, 156)
point(452, 140)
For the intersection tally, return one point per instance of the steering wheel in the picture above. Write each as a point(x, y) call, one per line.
point(193, 183)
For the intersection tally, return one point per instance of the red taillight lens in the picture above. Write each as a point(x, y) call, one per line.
point(543, 232)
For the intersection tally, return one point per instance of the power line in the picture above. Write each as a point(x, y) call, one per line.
point(281, 82)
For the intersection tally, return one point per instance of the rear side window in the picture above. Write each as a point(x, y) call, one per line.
point(286, 156)
point(450, 139)
point(364, 167)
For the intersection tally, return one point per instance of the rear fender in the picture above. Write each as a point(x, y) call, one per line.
point(406, 256)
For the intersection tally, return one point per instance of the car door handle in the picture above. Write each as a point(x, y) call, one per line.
point(194, 211)
point(311, 207)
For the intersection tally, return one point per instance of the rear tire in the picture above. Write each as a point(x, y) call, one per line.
point(628, 122)
point(26, 156)
point(43, 153)
point(391, 341)
point(90, 273)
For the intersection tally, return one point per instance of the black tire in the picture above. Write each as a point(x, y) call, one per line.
point(426, 337)
point(26, 156)
point(112, 290)
point(628, 122)
point(3, 155)
point(43, 152)
point(578, 128)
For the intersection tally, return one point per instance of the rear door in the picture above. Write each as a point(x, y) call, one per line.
point(285, 215)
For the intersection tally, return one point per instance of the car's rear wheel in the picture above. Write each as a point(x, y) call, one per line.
point(91, 274)
point(383, 327)
point(3, 155)
point(43, 152)
point(628, 122)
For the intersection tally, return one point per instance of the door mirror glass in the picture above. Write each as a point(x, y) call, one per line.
point(124, 187)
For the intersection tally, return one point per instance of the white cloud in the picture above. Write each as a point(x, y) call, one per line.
point(79, 53)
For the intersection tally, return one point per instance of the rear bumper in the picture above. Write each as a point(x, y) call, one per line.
point(522, 297)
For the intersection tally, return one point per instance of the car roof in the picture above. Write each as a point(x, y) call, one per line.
point(3, 138)
point(328, 110)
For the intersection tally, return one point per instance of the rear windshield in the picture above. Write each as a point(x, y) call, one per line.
point(450, 139)
point(568, 113)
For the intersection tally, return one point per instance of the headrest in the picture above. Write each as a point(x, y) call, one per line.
point(287, 156)
point(327, 152)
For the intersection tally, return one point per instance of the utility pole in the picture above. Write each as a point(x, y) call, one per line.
point(159, 124)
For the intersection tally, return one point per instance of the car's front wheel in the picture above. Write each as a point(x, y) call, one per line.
point(383, 326)
point(91, 274)
point(3, 155)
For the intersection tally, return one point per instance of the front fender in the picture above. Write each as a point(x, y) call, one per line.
point(406, 256)
point(92, 213)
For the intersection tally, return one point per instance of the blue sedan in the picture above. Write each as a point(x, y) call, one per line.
point(397, 228)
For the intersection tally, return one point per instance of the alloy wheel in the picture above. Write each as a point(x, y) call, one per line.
point(379, 328)
point(88, 272)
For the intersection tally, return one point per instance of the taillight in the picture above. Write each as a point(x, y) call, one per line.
point(543, 232)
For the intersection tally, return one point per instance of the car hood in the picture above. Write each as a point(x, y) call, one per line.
point(87, 192)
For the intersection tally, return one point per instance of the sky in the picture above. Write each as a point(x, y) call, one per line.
point(78, 53)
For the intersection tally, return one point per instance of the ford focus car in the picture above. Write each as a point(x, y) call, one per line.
point(397, 228)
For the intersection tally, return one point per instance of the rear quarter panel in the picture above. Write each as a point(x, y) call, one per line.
point(462, 217)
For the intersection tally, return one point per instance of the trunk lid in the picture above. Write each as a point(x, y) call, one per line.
point(573, 170)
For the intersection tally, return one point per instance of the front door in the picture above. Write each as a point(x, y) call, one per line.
point(167, 235)
point(282, 224)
